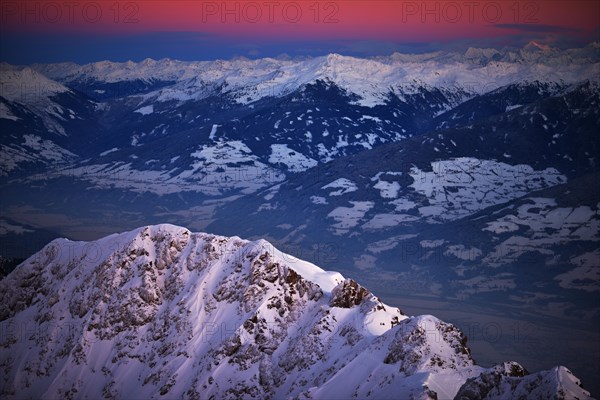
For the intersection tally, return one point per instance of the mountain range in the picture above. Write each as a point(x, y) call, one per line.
point(161, 312)
point(467, 178)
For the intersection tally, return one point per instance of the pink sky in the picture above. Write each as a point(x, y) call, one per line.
point(89, 30)
point(393, 20)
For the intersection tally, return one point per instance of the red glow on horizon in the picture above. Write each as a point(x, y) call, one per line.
point(413, 21)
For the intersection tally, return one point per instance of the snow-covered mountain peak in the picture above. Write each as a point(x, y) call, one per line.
point(333, 57)
point(536, 46)
point(164, 312)
point(473, 53)
point(510, 380)
point(475, 71)
point(326, 280)
point(27, 86)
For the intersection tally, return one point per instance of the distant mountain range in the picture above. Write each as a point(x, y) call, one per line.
point(287, 114)
point(470, 177)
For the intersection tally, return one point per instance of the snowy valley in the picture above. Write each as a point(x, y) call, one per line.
point(464, 182)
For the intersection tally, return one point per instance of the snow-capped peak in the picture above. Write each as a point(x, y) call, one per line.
point(371, 80)
point(533, 46)
point(27, 86)
point(326, 280)
point(161, 311)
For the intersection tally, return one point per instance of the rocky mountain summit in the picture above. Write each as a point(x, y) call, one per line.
point(161, 312)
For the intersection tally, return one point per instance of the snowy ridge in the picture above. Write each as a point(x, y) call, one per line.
point(27, 86)
point(510, 381)
point(257, 108)
point(161, 312)
point(371, 80)
point(39, 116)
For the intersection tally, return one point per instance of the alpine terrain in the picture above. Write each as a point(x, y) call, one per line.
point(464, 184)
point(161, 312)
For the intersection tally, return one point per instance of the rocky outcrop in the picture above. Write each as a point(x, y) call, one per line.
point(348, 294)
point(510, 380)
point(163, 312)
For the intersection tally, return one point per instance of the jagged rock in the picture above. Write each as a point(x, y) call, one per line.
point(348, 294)
point(511, 380)
point(201, 316)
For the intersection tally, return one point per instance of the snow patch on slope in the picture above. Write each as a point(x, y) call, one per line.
point(538, 225)
point(6, 114)
point(34, 149)
point(349, 217)
point(344, 185)
point(146, 110)
point(459, 187)
point(293, 160)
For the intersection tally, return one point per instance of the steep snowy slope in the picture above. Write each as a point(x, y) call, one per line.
point(433, 178)
point(161, 312)
point(44, 124)
point(27, 86)
point(214, 148)
point(133, 158)
point(504, 212)
point(273, 105)
point(496, 102)
point(288, 114)
point(474, 71)
point(511, 381)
